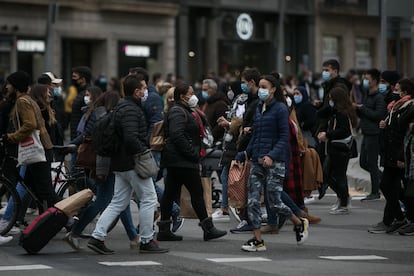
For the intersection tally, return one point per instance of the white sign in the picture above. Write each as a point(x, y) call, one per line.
point(244, 26)
point(137, 51)
point(31, 45)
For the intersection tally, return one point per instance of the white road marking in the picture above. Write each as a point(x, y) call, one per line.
point(239, 260)
point(354, 258)
point(134, 263)
point(23, 267)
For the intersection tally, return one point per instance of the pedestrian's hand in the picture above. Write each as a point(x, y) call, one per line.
point(240, 156)
point(267, 162)
point(382, 124)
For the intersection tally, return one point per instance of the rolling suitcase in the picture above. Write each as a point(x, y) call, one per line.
point(42, 230)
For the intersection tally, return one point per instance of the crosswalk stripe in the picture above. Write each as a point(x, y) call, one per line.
point(239, 260)
point(132, 263)
point(23, 267)
point(354, 258)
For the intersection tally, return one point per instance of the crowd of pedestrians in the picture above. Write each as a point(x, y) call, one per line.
point(298, 133)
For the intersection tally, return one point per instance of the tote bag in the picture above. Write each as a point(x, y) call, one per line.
point(30, 149)
point(145, 164)
point(186, 208)
point(237, 183)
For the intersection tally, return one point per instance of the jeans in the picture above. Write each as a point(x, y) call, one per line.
point(368, 160)
point(270, 180)
point(125, 183)
point(224, 187)
point(21, 191)
point(272, 217)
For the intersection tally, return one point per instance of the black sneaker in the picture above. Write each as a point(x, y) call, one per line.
point(99, 247)
point(371, 197)
point(253, 245)
point(396, 225)
point(152, 247)
point(177, 224)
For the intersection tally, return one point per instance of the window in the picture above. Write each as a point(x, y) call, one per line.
point(363, 53)
point(330, 48)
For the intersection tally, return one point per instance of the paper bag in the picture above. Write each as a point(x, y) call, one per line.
point(186, 209)
point(71, 206)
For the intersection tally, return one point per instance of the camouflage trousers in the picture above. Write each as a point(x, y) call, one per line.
point(270, 182)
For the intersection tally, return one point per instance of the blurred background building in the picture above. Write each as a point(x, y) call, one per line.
point(193, 38)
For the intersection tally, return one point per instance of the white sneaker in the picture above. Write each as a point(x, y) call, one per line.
point(13, 231)
point(3, 209)
point(235, 214)
point(4, 240)
point(219, 216)
point(309, 200)
point(31, 211)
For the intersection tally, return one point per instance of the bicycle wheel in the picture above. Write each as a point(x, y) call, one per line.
point(13, 203)
point(66, 189)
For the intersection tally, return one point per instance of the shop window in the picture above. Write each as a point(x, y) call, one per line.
point(363, 53)
point(330, 48)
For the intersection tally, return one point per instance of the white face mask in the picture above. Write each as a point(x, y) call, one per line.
point(145, 97)
point(192, 101)
point(87, 99)
point(289, 101)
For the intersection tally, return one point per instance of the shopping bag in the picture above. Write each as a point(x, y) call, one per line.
point(31, 150)
point(145, 164)
point(86, 157)
point(157, 136)
point(186, 209)
point(71, 206)
point(237, 183)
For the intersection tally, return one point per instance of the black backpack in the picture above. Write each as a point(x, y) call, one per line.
point(106, 140)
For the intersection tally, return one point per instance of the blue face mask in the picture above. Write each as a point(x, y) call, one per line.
point(298, 98)
point(205, 94)
point(245, 88)
point(365, 83)
point(331, 103)
point(382, 88)
point(326, 75)
point(56, 91)
point(263, 94)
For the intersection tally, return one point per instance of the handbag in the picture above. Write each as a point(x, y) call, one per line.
point(145, 165)
point(157, 136)
point(30, 149)
point(86, 157)
point(186, 209)
point(237, 183)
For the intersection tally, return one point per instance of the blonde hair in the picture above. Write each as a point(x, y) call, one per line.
point(168, 99)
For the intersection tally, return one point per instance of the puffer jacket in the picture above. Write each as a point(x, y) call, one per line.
point(182, 136)
point(371, 113)
point(270, 133)
point(216, 107)
point(132, 128)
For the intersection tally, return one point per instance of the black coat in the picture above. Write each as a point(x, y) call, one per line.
point(132, 128)
point(76, 114)
point(182, 135)
point(373, 110)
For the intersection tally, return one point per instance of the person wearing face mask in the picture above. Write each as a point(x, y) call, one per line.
point(216, 107)
point(371, 111)
point(181, 158)
point(340, 116)
point(268, 151)
point(331, 79)
point(388, 81)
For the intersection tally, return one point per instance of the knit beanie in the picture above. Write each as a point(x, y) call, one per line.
point(20, 80)
point(391, 76)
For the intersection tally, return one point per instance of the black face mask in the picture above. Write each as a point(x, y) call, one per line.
point(75, 83)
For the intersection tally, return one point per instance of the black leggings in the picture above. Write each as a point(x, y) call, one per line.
point(192, 181)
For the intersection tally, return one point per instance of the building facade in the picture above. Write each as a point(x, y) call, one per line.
point(192, 38)
point(109, 36)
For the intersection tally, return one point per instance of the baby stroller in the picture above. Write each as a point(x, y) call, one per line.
point(211, 163)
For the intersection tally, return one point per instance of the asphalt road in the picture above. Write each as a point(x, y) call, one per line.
point(339, 245)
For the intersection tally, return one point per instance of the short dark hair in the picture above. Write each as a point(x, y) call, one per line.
point(132, 82)
point(84, 72)
point(179, 90)
point(407, 86)
point(251, 74)
point(331, 62)
point(278, 95)
point(141, 72)
point(374, 73)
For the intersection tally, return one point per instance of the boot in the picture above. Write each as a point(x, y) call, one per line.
point(311, 219)
point(211, 232)
point(164, 233)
